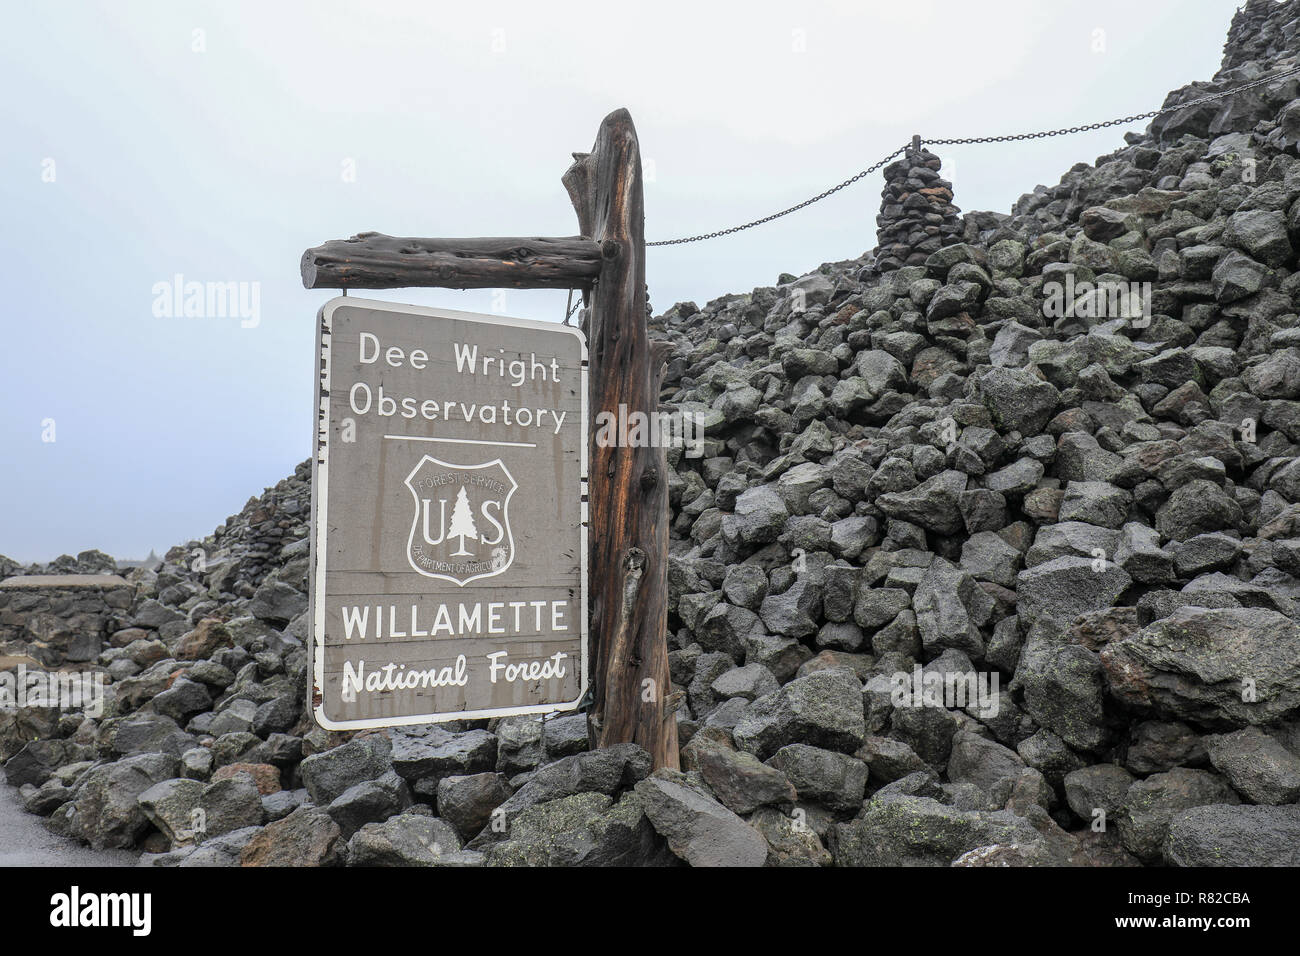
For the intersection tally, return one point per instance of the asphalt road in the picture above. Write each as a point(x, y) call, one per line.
point(24, 841)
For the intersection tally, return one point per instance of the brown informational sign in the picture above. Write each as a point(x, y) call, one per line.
point(449, 516)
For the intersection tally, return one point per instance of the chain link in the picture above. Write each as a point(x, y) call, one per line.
point(967, 141)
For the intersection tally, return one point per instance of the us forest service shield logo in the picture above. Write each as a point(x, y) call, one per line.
point(460, 530)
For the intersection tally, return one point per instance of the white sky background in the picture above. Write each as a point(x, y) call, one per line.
point(223, 165)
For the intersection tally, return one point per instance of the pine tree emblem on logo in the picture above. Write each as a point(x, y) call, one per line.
point(460, 531)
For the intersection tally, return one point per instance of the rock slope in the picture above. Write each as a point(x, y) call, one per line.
point(991, 557)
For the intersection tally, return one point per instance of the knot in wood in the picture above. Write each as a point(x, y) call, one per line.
point(610, 249)
point(649, 478)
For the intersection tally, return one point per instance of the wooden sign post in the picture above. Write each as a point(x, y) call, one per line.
point(628, 533)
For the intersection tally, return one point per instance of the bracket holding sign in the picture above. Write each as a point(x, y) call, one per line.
point(628, 500)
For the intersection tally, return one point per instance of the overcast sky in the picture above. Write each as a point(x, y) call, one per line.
point(216, 141)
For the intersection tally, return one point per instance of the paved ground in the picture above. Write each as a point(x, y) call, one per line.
point(24, 841)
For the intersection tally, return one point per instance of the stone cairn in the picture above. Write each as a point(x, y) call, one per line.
point(917, 216)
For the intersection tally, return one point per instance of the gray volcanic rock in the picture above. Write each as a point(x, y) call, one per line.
point(920, 831)
point(1060, 590)
point(1217, 668)
point(982, 762)
point(585, 829)
point(759, 516)
point(1257, 765)
point(306, 837)
point(408, 839)
point(1018, 400)
point(1156, 745)
point(1150, 804)
point(170, 806)
point(108, 810)
point(835, 780)
point(1099, 787)
point(327, 775)
point(932, 504)
point(699, 829)
point(1224, 835)
point(738, 779)
point(1065, 691)
point(950, 607)
point(467, 802)
point(823, 709)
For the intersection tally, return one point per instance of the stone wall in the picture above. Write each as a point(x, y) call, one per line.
point(61, 618)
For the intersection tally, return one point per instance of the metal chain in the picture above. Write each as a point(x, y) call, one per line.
point(784, 212)
point(1011, 137)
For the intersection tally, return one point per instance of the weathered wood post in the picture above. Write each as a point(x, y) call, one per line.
point(629, 487)
point(628, 506)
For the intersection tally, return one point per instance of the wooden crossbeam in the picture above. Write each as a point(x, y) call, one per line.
point(372, 260)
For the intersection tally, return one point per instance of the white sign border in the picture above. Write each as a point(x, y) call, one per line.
point(319, 515)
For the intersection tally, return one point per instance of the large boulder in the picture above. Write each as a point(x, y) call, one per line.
point(1257, 765)
point(408, 839)
point(306, 837)
point(584, 829)
point(822, 709)
point(1018, 400)
point(1150, 804)
point(920, 831)
point(1226, 835)
point(328, 774)
point(1062, 589)
point(1218, 668)
point(933, 504)
point(699, 829)
point(108, 810)
point(835, 780)
point(738, 779)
